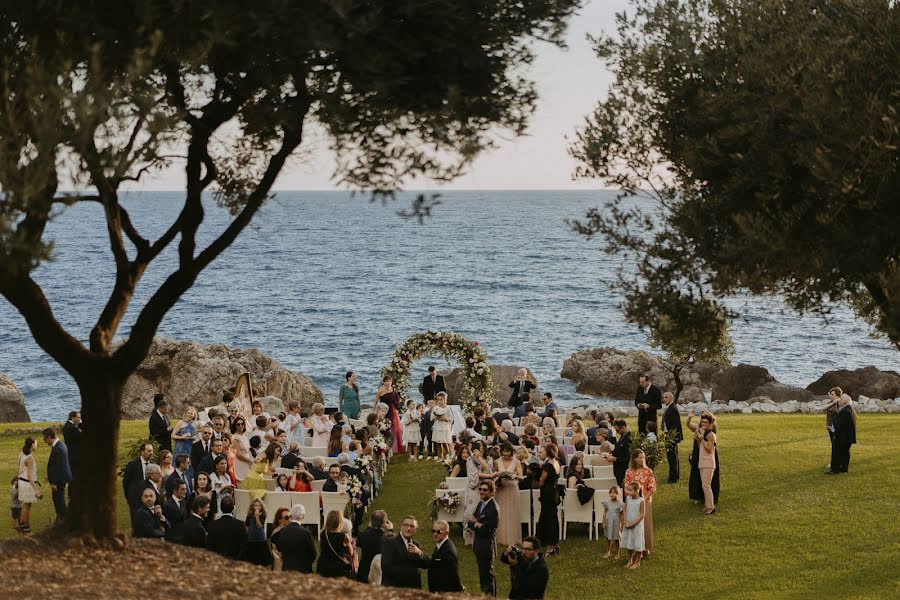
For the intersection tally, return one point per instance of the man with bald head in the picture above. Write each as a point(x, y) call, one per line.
point(521, 387)
point(443, 568)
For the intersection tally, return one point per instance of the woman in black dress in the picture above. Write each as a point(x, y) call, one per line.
point(695, 486)
point(548, 523)
point(337, 551)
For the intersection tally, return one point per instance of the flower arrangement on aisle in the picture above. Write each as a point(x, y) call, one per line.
point(354, 490)
point(381, 449)
point(384, 426)
point(448, 461)
point(448, 502)
point(478, 383)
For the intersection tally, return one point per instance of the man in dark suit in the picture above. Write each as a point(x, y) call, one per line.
point(160, 428)
point(227, 536)
point(334, 475)
point(443, 569)
point(521, 388)
point(176, 512)
point(432, 384)
point(59, 473)
point(72, 436)
point(621, 454)
point(671, 423)
point(194, 530)
point(147, 520)
point(200, 449)
point(484, 524)
point(292, 458)
point(528, 573)
point(402, 557)
point(155, 483)
point(182, 463)
point(135, 474)
point(207, 463)
point(316, 468)
point(369, 543)
point(648, 400)
point(295, 543)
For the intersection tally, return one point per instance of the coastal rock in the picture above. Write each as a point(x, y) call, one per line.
point(614, 373)
point(502, 375)
point(867, 381)
point(12, 402)
point(192, 374)
point(740, 382)
point(780, 392)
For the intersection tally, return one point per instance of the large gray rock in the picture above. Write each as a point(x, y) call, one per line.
point(192, 374)
point(780, 392)
point(740, 383)
point(614, 373)
point(867, 381)
point(12, 402)
point(502, 375)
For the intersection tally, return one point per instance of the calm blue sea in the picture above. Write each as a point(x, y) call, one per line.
point(326, 282)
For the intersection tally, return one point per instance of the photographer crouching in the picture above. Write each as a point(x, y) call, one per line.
point(527, 569)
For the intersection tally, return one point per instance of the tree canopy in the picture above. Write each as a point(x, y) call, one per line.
point(767, 132)
point(96, 94)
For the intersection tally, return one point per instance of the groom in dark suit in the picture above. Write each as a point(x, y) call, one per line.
point(443, 569)
point(59, 473)
point(432, 384)
point(648, 400)
point(671, 423)
point(484, 525)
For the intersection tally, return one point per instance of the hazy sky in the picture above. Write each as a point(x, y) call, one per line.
point(569, 84)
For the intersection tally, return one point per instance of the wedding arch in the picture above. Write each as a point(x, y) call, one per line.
point(477, 380)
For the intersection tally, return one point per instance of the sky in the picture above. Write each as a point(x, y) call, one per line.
point(569, 82)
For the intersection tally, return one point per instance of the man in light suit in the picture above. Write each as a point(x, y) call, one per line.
point(59, 473)
point(671, 423)
point(443, 568)
point(160, 427)
point(484, 524)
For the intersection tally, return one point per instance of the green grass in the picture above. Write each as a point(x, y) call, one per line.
point(782, 529)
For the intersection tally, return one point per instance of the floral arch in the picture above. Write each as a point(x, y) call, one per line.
point(478, 382)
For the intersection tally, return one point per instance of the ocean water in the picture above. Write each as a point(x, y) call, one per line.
point(326, 282)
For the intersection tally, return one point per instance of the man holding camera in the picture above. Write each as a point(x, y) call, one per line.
point(527, 569)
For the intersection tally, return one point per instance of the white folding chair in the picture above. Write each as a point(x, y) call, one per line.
point(317, 484)
point(270, 484)
point(457, 483)
point(333, 501)
point(519, 431)
point(454, 517)
point(275, 500)
point(576, 512)
point(603, 470)
point(560, 432)
point(601, 484)
point(310, 501)
point(241, 504)
point(529, 508)
point(313, 451)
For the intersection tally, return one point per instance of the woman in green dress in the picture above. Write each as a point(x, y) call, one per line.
point(348, 400)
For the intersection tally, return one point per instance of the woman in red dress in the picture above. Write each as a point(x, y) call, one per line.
point(639, 471)
point(387, 394)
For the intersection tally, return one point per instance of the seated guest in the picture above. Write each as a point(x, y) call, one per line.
point(295, 543)
point(369, 542)
point(462, 459)
point(549, 405)
point(227, 536)
point(176, 512)
point(194, 528)
point(530, 416)
point(317, 468)
point(335, 442)
point(301, 480)
point(548, 427)
point(147, 520)
point(602, 442)
point(334, 476)
point(530, 434)
point(260, 431)
point(290, 460)
point(470, 429)
point(511, 437)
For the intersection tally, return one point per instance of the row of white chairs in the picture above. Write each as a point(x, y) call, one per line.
point(317, 504)
point(601, 475)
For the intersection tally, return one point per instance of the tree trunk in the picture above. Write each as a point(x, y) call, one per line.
point(93, 505)
point(676, 375)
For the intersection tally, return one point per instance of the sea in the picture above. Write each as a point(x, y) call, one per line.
point(327, 282)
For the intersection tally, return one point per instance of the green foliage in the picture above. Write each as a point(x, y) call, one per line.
point(132, 450)
point(767, 132)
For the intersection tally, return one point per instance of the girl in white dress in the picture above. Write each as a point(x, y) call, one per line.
point(412, 429)
point(442, 425)
point(632, 538)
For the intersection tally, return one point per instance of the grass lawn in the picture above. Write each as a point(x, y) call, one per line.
point(783, 529)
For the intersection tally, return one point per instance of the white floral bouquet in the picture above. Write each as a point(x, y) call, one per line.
point(384, 426)
point(448, 461)
point(354, 488)
point(449, 502)
point(365, 462)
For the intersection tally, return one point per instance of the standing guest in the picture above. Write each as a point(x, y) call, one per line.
point(521, 387)
point(154, 483)
point(28, 484)
point(648, 400)
point(483, 523)
point(176, 511)
point(157, 399)
point(261, 431)
point(185, 431)
point(621, 454)
point(227, 536)
point(369, 542)
point(218, 426)
point(426, 446)
point(207, 463)
point(147, 520)
point(844, 436)
point(348, 396)
point(194, 531)
point(135, 474)
point(509, 473)
point(337, 552)
point(72, 435)
point(548, 523)
point(610, 426)
point(257, 551)
point(230, 455)
point(639, 471)
point(671, 424)
point(443, 568)
point(160, 427)
point(295, 543)
point(632, 534)
point(240, 444)
point(478, 470)
point(706, 439)
point(831, 409)
point(204, 489)
point(695, 484)
point(412, 428)
point(402, 557)
point(164, 460)
point(442, 425)
point(293, 424)
point(200, 449)
point(550, 407)
point(219, 478)
point(387, 395)
point(59, 473)
point(528, 571)
point(612, 520)
point(321, 425)
point(181, 473)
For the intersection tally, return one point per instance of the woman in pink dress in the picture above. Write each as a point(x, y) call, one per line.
point(639, 471)
point(387, 394)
